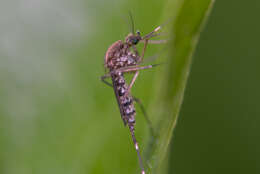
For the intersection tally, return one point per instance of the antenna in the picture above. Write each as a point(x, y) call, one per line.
point(132, 26)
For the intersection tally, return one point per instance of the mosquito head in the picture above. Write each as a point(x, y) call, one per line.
point(133, 39)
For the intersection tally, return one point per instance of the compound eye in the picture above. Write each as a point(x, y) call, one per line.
point(135, 41)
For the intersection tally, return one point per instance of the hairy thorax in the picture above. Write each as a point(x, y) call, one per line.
point(119, 55)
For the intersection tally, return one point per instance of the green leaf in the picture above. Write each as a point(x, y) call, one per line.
point(188, 20)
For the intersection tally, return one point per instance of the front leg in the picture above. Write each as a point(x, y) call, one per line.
point(103, 79)
point(129, 69)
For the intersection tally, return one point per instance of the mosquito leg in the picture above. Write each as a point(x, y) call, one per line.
point(144, 48)
point(131, 83)
point(126, 69)
point(151, 34)
point(138, 101)
point(155, 34)
point(157, 41)
point(146, 40)
point(134, 68)
point(131, 128)
point(103, 79)
point(129, 87)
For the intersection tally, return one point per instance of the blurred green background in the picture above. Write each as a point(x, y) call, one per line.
point(57, 117)
point(218, 129)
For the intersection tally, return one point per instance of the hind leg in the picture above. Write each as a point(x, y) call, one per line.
point(148, 121)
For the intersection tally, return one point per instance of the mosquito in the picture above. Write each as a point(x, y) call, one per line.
point(123, 57)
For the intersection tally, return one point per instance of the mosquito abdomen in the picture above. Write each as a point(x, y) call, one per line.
point(125, 102)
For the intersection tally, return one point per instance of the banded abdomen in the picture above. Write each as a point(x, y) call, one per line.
point(125, 102)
